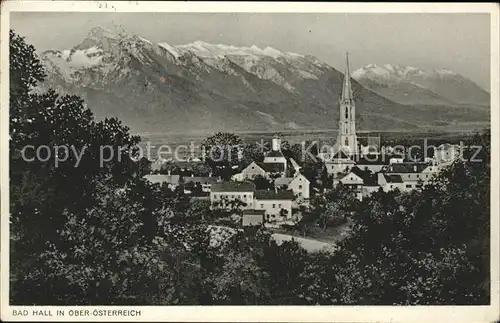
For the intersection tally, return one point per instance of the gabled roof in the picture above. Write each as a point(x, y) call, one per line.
point(295, 165)
point(369, 179)
point(274, 153)
point(273, 195)
point(340, 155)
point(272, 167)
point(393, 178)
point(297, 175)
point(350, 174)
point(254, 164)
point(233, 187)
point(160, 178)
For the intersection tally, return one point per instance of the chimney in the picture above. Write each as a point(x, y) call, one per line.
point(415, 168)
point(210, 174)
point(168, 172)
point(192, 175)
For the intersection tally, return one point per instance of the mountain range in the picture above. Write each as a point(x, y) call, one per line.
point(411, 85)
point(202, 87)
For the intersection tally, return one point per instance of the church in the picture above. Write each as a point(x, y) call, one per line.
point(347, 150)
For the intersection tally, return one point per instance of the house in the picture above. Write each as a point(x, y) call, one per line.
point(407, 171)
point(205, 181)
point(338, 162)
point(274, 203)
point(352, 181)
point(253, 217)
point(275, 161)
point(251, 171)
point(298, 184)
point(224, 192)
point(266, 170)
point(389, 182)
point(172, 181)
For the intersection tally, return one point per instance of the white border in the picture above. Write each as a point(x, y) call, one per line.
point(260, 313)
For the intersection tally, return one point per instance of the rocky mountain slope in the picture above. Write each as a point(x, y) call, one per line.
point(410, 85)
point(201, 87)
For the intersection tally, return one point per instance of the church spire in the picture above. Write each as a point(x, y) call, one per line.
point(346, 89)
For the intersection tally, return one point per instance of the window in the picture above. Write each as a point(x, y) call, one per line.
point(408, 185)
point(244, 196)
point(346, 112)
point(418, 176)
point(391, 186)
point(300, 187)
point(262, 206)
point(279, 206)
point(274, 206)
point(346, 140)
point(253, 167)
point(300, 193)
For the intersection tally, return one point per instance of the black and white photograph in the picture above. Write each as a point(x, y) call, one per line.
point(260, 157)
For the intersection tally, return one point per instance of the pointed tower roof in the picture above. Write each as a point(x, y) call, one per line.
point(346, 89)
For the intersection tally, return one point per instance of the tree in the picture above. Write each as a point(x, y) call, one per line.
point(252, 152)
point(103, 257)
point(262, 183)
point(424, 247)
point(56, 200)
point(222, 153)
point(334, 206)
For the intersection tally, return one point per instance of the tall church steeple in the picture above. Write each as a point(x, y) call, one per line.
point(346, 89)
point(347, 139)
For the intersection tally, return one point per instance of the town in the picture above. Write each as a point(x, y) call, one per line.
point(274, 191)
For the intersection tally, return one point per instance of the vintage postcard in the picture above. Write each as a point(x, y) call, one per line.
point(250, 162)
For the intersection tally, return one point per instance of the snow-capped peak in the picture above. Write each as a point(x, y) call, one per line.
point(444, 72)
point(207, 50)
point(394, 72)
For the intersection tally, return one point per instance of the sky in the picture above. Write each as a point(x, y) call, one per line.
point(457, 41)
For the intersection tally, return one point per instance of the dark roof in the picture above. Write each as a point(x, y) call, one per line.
point(274, 153)
point(361, 173)
point(369, 179)
point(233, 187)
point(406, 168)
point(273, 195)
point(272, 167)
point(373, 160)
point(257, 212)
point(393, 178)
point(340, 155)
point(200, 179)
point(159, 178)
